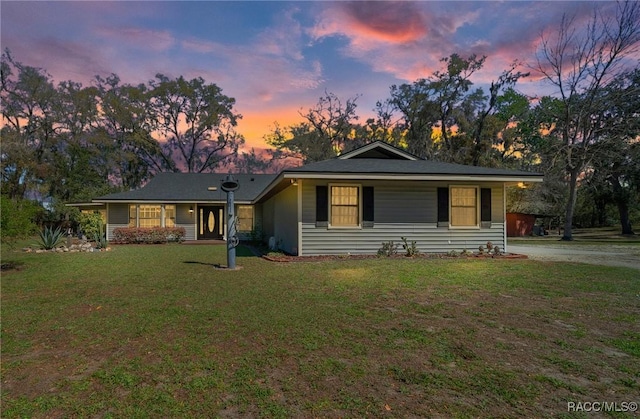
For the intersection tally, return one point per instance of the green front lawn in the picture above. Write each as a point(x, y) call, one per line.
point(156, 331)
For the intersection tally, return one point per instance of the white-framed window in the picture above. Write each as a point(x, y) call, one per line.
point(245, 218)
point(344, 205)
point(143, 215)
point(464, 208)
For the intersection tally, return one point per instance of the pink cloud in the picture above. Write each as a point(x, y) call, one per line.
point(384, 21)
point(404, 39)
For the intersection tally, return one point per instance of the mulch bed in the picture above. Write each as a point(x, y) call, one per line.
point(289, 258)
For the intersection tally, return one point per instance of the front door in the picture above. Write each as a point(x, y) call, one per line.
point(210, 222)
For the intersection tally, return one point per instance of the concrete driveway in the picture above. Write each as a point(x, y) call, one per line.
point(604, 254)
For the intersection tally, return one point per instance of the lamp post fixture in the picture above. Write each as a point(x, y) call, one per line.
point(230, 185)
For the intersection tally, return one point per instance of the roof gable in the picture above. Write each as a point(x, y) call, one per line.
point(378, 150)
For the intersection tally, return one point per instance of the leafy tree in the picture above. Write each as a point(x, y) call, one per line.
point(28, 137)
point(512, 108)
point(195, 124)
point(327, 130)
point(71, 143)
point(579, 63)
point(443, 119)
point(124, 133)
point(16, 219)
point(616, 163)
point(488, 116)
point(449, 89)
point(382, 127)
point(253, 162)
point(80, 168)
point(418, 116)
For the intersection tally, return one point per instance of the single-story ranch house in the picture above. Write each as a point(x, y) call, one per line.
point(347, 205)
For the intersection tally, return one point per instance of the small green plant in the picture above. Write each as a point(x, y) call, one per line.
point(453, 254)
point(497, 250)
point(489, 247)
point(481, 250)
point(388, 249)
point(466, 252)
point(100, 236)
point(101, 241)
point(50, 238)
point(410, 249)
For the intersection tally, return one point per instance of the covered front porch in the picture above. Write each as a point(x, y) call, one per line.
point(202, 221)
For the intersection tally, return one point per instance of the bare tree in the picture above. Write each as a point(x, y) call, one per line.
point(580, 61)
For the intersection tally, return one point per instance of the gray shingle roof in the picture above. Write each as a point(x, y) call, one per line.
point(402, 167)
point(192, 187)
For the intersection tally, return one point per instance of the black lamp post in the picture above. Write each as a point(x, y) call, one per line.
point(230, 185)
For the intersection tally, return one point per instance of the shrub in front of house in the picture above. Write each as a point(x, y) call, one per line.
point(148, 235)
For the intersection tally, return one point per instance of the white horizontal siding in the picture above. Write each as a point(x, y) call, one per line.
point(428, 238)
point(414, 204)
point(113, 226)
point(411, 202)
point(415, 200)
point(190, 231)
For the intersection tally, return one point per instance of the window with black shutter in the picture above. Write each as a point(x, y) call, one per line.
point(322, 205)
point(485, 204)
point(443, 205)
point(368, 215)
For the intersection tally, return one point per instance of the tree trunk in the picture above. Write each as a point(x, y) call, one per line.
point(622, 201)
point(625, 222)
point(571, 204)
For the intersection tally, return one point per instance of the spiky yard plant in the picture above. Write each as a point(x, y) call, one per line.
point(50, 238)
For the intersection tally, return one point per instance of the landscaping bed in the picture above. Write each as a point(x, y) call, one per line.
point(281, 257)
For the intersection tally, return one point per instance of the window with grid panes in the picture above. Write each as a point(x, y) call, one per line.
point(345, 210)
point(464, 206)
point(149, 215)
point(245, 218)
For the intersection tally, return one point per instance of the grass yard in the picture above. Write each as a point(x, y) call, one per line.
point(156, 331)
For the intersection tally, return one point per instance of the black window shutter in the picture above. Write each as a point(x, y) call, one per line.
point(322, 203)
point(367, 203)
point(485, 204)
point(443, 204)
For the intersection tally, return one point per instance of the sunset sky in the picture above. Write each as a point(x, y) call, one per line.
point(277, 58)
